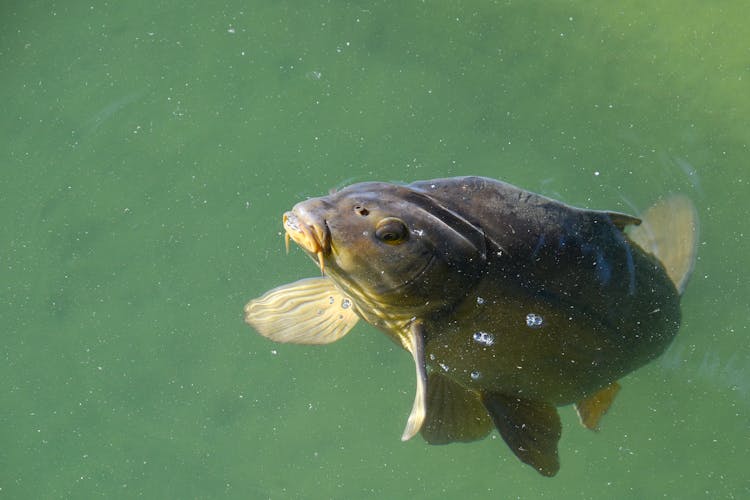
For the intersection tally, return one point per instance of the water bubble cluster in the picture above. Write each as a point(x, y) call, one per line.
point(534, 320)
point(484, 338)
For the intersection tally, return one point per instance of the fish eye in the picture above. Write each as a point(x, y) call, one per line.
point(391, 230)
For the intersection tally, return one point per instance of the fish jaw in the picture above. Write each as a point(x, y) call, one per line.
point(314, 237)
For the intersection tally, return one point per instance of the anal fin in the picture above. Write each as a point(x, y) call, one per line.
point(592, 409)
point(454, 413)
point(530, 428)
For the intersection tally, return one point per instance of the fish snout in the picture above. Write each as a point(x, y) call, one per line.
point(312, 235)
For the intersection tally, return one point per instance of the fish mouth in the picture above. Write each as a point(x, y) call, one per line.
point(313, 238)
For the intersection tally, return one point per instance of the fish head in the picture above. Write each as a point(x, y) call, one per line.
point(389, 245)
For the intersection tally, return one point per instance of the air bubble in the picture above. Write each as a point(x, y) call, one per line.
point(475, 375)
point(480, 301)
point(484, 338)
point(346, 303)
point(534, 320)
point(331, 300)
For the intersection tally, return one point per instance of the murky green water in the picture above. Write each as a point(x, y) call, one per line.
point(149, 149)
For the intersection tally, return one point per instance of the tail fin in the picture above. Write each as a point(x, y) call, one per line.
point(670, 232)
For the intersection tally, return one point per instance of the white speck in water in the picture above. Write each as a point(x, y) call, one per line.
point(534, 320)
point(444, 367)
point(346, 303)
point(480, 301)
point(475, 375)
point(484, 338)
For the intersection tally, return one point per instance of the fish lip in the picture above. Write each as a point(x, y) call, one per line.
point(312, 236)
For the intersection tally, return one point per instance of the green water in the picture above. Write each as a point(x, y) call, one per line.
point(149, 148)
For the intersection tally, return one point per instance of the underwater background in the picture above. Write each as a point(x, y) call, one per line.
point(150, 148)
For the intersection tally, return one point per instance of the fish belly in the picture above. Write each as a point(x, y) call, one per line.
point(542, 350)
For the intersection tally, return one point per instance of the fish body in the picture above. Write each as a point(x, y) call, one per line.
point(510, 303)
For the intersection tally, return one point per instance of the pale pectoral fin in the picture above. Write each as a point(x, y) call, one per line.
point(414, 343)
point(593, 408)
point(530, 428)
point(308, 311)
point(453, 412)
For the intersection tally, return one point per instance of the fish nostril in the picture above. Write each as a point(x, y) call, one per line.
point(359, 209)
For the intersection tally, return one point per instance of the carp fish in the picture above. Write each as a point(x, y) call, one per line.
point(510, 303)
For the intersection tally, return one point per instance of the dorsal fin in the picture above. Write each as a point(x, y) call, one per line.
point(669, 231)
point(621, 220)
